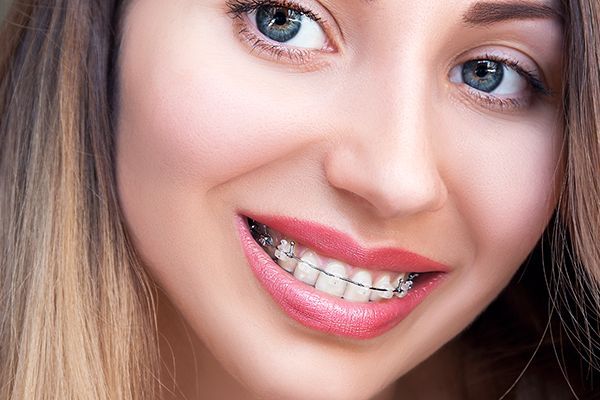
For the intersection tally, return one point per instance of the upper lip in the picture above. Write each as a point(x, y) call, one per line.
point(332, 243)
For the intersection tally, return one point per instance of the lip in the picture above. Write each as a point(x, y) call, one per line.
point(335, 244)
point(325, 313)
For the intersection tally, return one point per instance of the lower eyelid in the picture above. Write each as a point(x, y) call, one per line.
point(298, 60)
point(495, 103)
point(301, 59)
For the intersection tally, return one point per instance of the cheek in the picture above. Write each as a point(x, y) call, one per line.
point(505, 180)
point(190, 127)
point(501, 177)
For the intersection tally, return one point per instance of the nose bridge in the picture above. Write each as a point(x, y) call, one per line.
point(388, 156)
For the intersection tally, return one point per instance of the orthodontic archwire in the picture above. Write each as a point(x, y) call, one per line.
point(262, 236)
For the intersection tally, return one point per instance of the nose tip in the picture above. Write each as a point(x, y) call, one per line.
point(393, 183)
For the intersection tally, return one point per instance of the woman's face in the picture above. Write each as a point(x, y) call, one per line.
point(381, 136)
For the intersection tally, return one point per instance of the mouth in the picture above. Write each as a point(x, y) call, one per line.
point(328, 275)
point(326, 281)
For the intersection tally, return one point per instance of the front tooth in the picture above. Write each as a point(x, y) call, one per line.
point(357, 293)
point(384, 283)
point(285, 262)
point(331, 284)
point(304, 272)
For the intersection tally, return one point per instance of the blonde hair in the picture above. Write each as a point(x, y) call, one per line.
point(76, 307)
point(77, 312)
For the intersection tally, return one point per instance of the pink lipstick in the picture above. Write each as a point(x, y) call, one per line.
point(321, 311)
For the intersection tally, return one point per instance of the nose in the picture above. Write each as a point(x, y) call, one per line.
point(386, 156)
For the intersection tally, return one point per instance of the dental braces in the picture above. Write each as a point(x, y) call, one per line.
point(286, 248)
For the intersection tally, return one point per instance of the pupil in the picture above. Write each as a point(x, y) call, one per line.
point(482, 70)
point(280, 18)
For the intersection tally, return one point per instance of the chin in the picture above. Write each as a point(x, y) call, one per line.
point(276, 382)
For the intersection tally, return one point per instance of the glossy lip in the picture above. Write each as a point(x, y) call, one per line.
point(325, 313)
point(338, 245)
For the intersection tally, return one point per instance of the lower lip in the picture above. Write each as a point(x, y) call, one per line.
point(325, 313)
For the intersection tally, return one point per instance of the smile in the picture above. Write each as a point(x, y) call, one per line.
point(326, 281)
point(329, 275)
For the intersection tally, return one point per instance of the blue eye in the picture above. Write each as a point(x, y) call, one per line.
point(289, 26)
point(484, 75)
point(278, 23)
point(494, 77)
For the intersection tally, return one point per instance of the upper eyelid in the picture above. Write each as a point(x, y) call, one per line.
point(237, 6)
point(525, 65)
point(497, 53)
point(534, 77)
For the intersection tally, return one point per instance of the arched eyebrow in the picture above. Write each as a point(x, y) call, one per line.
point(485, 12)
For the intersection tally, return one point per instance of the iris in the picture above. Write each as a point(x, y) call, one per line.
point(484, 75)
point(278, 23)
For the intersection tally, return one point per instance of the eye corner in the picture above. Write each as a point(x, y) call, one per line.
point(455, 74)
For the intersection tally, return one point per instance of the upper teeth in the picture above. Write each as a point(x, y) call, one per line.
point(335, 277)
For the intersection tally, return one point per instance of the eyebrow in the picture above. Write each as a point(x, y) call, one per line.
point(484, 13)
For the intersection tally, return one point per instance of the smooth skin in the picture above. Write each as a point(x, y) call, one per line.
point(372, 136)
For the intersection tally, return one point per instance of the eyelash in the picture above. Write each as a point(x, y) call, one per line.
point(531, 76)
point(238, 8)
